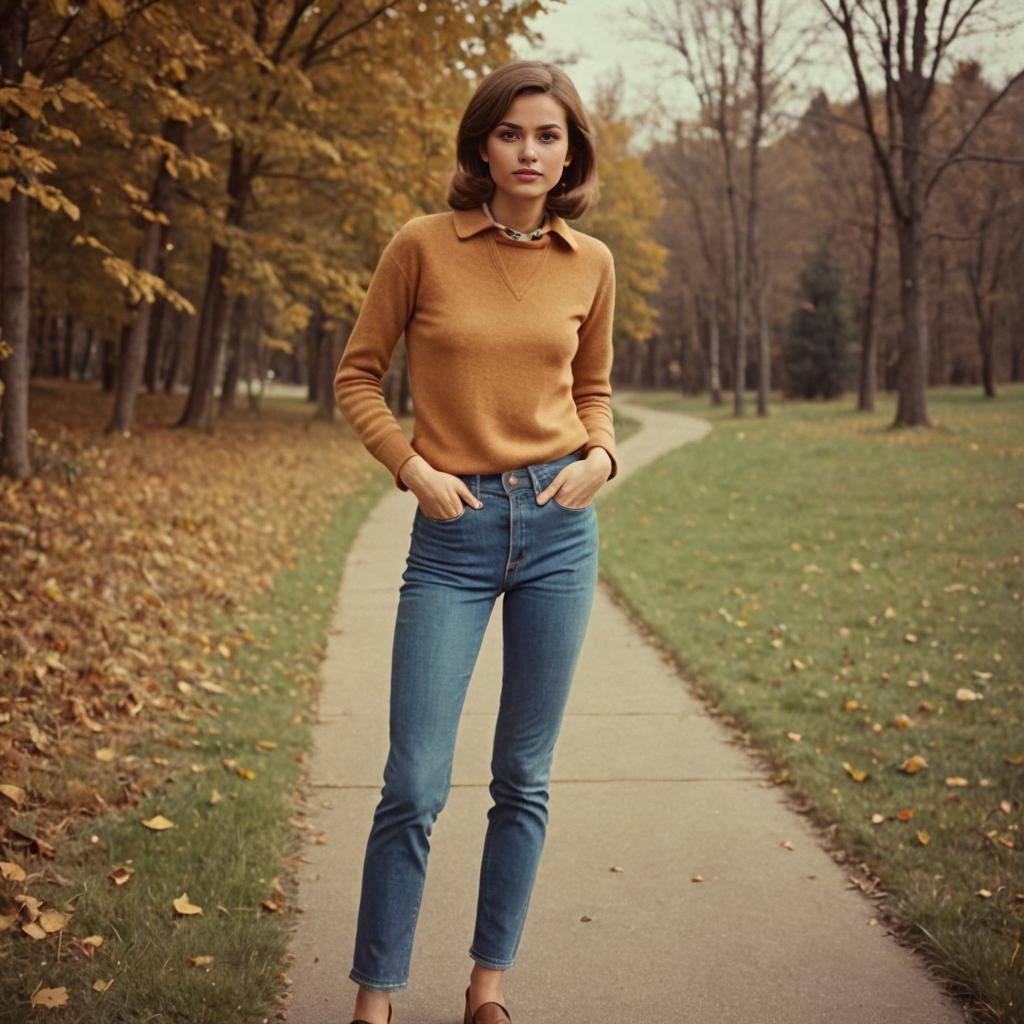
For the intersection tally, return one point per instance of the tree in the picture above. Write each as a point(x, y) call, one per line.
point(909, 41)
point(737, 58)
point(815, 360)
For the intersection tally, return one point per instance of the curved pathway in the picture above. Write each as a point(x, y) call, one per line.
point(647, 791)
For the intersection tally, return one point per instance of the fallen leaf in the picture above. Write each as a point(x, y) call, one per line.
point(182, 905)
point(53, 920)
point(158, 823)
point(50, 997)
point(121, 875)
point(857, 774)
point(102, 986)
point(201, 961)
point(12, 872)
point(13, 793)
point(964, 693)
point(915, 764)
point(923, 838)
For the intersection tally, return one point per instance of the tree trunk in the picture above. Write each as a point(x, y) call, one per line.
point(213, 318)
point(912, 370)
point(229, 385)
point(172, 352)
point(15, 239)
point(151, 369)
point(869, 336)
point(764, 376)
point(937, 372)
point(653, 363)
point(133, 350)
point(714, 356)
point(85, 361)
point(108, 364)
point(14, 224)
point(985, 339)
point(326, 404)
point(68, 359)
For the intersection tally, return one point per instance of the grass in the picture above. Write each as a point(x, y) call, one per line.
point(832, 585)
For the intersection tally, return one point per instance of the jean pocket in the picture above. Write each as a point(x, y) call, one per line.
point(572, 508)
point(431, 519)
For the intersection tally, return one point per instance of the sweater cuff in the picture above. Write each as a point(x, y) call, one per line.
point(395, 454)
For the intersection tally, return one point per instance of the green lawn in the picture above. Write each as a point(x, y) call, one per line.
point(833, 584)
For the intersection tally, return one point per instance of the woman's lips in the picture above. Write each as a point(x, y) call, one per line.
point(526, 175)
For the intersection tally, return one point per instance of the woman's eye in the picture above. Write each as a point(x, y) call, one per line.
point(548, 135)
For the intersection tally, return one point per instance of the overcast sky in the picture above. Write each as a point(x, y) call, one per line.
point(591, 39)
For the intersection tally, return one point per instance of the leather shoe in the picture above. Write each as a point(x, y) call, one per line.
point(486, 1013)
point(361, 1021)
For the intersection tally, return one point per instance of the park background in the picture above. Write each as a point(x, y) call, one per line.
point(818, 226)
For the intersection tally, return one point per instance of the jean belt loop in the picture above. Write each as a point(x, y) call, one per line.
point(537, 477)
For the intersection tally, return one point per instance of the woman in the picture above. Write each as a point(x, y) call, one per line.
point(507, 315)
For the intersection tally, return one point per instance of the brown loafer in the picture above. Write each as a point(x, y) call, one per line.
point(486, 1013)
point(361, 1021)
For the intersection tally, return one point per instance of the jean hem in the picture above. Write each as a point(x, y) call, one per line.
point(484, 961)
point(374, 985)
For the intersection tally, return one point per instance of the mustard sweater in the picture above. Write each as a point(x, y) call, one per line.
point(509, 346)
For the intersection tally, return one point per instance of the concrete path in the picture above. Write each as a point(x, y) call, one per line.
point(643, 780)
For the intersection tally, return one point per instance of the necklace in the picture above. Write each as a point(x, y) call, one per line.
point(522, 236)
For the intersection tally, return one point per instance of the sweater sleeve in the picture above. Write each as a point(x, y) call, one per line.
point(592, 367)
point(387, 308)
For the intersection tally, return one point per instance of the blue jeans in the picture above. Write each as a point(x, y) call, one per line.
point(543, 559)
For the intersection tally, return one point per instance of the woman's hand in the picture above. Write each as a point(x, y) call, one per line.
point(576, 484)
point(441, 495)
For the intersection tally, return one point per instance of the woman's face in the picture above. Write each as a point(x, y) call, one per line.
point(532, 135)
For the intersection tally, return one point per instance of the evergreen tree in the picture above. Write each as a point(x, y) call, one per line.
point(815, 357)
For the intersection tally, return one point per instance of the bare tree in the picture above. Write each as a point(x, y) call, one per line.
point(909, 41)
point(737, 60)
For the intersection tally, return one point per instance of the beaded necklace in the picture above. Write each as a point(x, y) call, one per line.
point(521, 236)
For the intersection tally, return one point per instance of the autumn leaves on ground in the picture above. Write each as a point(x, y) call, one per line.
point(162, 614)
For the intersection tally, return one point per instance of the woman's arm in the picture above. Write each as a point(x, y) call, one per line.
point(389, 303)
point(592, 367)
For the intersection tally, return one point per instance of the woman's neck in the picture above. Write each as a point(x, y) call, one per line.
point(523, 217)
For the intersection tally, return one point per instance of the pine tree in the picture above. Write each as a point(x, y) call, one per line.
point(815, 357)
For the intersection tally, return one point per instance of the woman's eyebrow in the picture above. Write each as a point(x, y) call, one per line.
point(539, 127)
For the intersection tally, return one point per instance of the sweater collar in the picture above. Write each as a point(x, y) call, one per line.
point(471, 222)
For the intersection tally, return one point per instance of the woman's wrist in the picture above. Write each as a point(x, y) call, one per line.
point(599, 456)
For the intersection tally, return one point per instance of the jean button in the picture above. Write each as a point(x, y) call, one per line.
point(513, 480)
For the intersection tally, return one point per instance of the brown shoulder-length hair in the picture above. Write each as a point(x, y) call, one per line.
point(471, 183)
